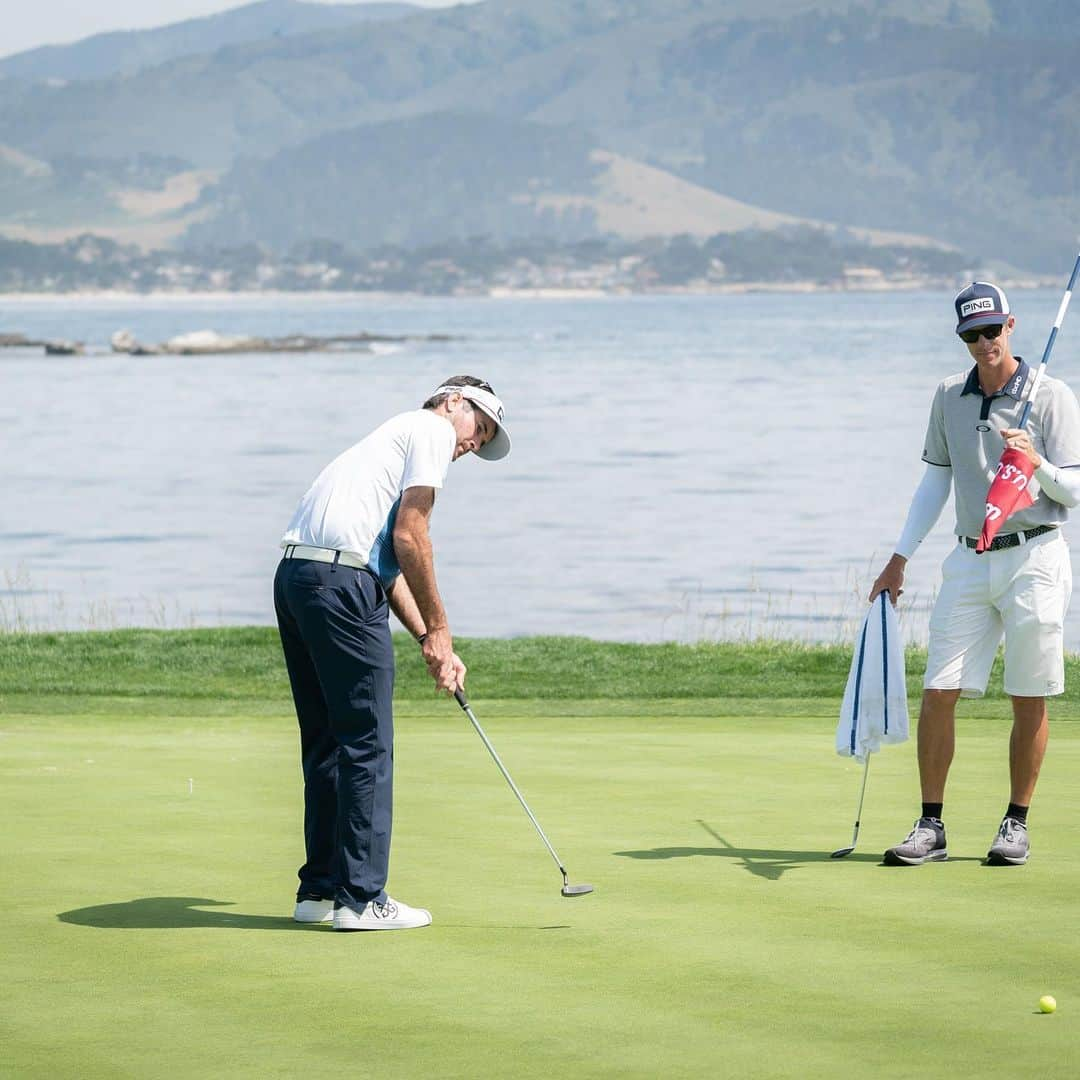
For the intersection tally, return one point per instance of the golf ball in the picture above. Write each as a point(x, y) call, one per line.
point(1047, 1003)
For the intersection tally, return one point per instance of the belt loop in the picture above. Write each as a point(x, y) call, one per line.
point(1021, 536)
point(333, 565)
point(289, 549)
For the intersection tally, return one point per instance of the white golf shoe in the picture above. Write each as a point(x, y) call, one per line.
point(313, 909)
point(393, 915)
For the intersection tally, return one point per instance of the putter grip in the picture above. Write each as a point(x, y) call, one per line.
point(459, 696)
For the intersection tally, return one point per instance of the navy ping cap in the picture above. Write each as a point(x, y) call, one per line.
point(980, 304)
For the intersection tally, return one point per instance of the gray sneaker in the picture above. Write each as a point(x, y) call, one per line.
point(925, 843)
point(1010, 846)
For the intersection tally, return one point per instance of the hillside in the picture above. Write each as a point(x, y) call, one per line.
point(858, 114)
point(127, 51)
point(459, 175)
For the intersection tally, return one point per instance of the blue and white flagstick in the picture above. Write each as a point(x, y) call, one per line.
point(1050, 343)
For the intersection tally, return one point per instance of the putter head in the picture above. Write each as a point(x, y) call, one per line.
point(576, 890)
point(841, 852)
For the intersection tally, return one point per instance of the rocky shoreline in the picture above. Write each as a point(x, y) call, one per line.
point(211, 343)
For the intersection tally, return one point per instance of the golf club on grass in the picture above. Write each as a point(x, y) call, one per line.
point(841, 852)
point(567, 888)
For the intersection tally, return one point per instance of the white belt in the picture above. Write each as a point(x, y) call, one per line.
point(321, 554)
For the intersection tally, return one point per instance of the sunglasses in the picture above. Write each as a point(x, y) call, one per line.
point(989, 332)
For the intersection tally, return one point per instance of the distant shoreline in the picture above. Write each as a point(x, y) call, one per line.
point(507, 293)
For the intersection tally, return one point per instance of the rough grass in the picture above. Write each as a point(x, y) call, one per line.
point(245, 663)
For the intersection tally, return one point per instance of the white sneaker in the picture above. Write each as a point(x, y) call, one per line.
point(393, 915)
point(313, 911)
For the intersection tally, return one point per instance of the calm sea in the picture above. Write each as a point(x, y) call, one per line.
point(684, 467)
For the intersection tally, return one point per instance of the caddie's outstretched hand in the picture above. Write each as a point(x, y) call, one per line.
point(890, 580)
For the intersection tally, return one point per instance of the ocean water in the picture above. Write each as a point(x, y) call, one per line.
point(684, 467)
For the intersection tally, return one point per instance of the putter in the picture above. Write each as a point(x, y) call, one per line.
point(567, 889)
point(841, 852)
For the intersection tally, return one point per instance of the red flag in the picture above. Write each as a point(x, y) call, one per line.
point(1008, 493)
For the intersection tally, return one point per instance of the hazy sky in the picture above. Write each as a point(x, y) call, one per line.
point(56, 22)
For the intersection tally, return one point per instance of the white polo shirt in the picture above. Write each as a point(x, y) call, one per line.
point(353, 503)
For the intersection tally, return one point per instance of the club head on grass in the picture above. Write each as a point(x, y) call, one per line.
point(576, 890)
point(841, 852)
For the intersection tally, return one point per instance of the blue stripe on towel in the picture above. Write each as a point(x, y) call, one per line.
point(885, 657)
point(858, 685)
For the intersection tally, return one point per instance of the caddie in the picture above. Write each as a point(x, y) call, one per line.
point(1021, 586)
point(358, 547)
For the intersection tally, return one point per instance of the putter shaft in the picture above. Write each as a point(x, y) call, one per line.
point(463, 702)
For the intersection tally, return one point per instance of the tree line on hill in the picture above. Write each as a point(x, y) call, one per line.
point(477, 265)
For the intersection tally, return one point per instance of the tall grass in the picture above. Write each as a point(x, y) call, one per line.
point(246, 663)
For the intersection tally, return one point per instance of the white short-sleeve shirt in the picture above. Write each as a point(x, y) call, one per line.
point(353, 502)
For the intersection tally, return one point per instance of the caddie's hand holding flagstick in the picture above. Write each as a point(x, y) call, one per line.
point(1009, 491)
point(1019, 439)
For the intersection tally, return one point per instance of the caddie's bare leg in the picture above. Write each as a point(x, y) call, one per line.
point(1027, 746)
point(937, 741)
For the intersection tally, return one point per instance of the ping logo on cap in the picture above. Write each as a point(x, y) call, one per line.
point(970, 307)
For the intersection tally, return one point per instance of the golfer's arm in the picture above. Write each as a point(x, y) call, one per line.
point(403, 605)
point(1061, 485)
point(412, 546)
point(926, 506)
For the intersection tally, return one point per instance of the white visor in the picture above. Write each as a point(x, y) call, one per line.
point(498, 446)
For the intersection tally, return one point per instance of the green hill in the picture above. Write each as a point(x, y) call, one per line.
point(946, 119)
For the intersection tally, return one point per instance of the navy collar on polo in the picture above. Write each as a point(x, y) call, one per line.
point(1014, 388)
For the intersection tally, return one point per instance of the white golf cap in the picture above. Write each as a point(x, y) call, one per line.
point(498, 446)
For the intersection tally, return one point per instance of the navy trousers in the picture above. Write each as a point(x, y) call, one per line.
point(335, 632)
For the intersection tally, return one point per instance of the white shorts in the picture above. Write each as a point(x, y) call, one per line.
point(1023, 591)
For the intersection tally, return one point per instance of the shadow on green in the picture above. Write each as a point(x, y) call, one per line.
point(768, 863)
point(182, 913)
point(175, 913)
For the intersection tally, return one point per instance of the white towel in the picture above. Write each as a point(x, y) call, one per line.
point(875, 701)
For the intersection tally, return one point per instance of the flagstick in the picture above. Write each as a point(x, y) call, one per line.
point(1050, 343)
point(841, 852)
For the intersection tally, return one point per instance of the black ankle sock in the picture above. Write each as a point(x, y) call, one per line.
point(932, 809)
point(1018, 812)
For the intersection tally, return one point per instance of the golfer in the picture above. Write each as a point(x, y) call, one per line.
point(1021, 586)
point(356, 548)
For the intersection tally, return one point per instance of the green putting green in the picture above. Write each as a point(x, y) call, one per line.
point(150, 846)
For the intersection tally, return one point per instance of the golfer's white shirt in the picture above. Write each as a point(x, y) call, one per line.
point(353, 502)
